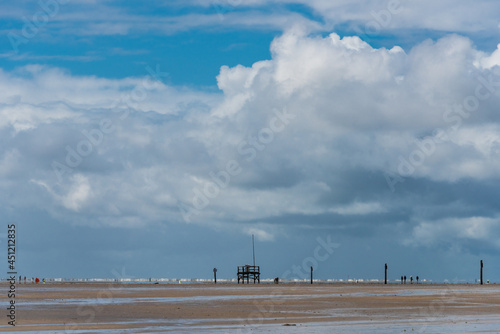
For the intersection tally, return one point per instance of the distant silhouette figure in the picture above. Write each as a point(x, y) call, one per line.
point(417, 279)
point(401, 279)
point(411, 279)
point(405, 278)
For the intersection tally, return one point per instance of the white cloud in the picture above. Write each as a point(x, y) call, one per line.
point(452, 230)
point(260, 234)
point(356, 110)
point(357, 208)
point(448, 15)
point(77, 193)
point(492, 60)
point(22, 117)
point(371, 18)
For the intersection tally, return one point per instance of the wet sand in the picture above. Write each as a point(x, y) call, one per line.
point(232, 308)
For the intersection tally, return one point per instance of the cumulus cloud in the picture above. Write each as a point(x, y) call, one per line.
point(330, 133)
point(452, 231)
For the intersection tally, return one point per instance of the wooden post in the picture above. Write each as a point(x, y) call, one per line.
point(215, 276)
point(481, 272)
point(311, 274)
point(385, 281)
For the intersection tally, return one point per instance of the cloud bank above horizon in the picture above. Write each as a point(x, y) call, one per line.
point(330, 133)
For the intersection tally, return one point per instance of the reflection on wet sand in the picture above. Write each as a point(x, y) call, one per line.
point(265, 308)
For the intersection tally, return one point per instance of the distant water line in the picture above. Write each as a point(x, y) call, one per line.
point(221, 281)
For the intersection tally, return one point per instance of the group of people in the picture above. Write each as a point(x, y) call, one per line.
point(33, 280)
point(403, 279)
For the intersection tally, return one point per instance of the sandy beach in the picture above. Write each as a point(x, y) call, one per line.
point(232, 308)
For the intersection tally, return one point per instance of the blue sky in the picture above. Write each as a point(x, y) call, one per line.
point(154, 138)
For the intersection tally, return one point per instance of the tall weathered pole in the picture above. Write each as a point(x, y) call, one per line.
point(215, 276)
point(481, 272)
point(385, 281)
point(311, 274)
point(253, 251)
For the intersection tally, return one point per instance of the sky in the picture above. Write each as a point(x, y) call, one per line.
point(154, 138)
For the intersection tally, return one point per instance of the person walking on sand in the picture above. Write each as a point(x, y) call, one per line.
point(411, 279)
point(401, 279)
point(405, 278)
point(417, 279)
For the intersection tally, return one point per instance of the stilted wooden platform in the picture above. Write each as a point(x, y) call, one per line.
point(248, 272)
